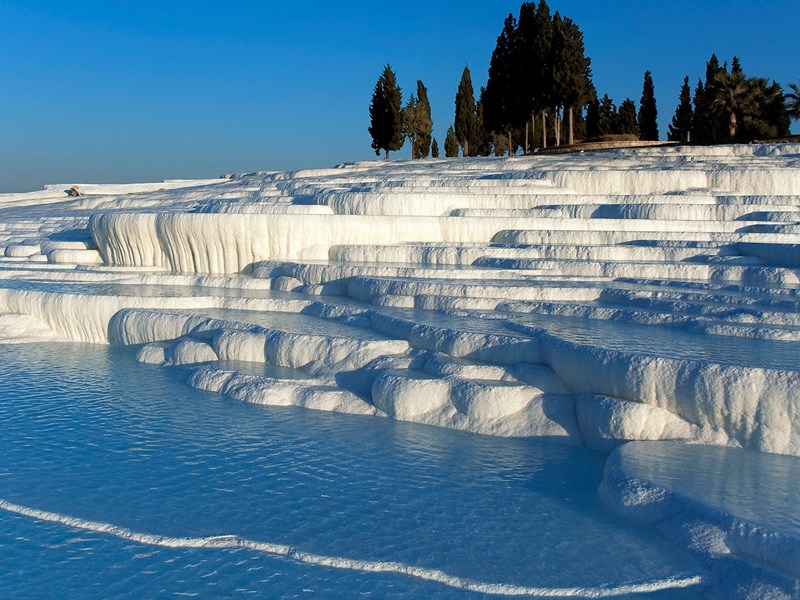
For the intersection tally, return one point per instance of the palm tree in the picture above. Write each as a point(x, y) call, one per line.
point(733, 96)
point(793, 101)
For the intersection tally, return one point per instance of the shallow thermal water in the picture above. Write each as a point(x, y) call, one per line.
point(86, 432)
point(763, 489)
point(670, 342)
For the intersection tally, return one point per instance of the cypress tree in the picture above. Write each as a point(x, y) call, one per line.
point(647, 118)
point(571, 69)
point(417, 123)
point(411, 124)
point(434, 149)
point(710, 126)
point(500, 98)
point(451, 143)
point(681, 127)
point(712, 68)
point(541, 70)
point(592, 119)
point(532, 73)
point(483, 138)
point(538, 67)
point(527, 68)
point(736, 67)
point(698, 128)
point(558, 67)
point(425, 132)
point(466, 121)
point(385, 114)
point(626, 118)
point(606, 116)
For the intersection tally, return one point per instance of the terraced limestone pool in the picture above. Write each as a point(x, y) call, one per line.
point(117, 480)
point(628, 297)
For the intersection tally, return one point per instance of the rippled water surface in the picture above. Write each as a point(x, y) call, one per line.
point(87, 432)
point(670, 342)
point(763, 489)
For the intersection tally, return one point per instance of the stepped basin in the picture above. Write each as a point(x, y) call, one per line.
point(479, 306)
point(688, 493)
point(654, 340)
point(364, 504)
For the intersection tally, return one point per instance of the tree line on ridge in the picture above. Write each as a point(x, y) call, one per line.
point(540, 93)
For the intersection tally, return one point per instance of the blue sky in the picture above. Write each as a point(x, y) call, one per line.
point(102, 91)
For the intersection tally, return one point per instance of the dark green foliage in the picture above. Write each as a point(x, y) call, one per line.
point(647, 118)
point(607, 116)
point(578, 126)
point(500, 143)
point(500, 99)
point(424, 106)
point(736, 67)
point(712, 68)
point(483, 137)
point(774, 109)
point(451, 144)
point(710, 125)
point(626, 118)
point(698, 124)
point(681, 127)
point(527, 66)
point(532, 60)
point(410, 114)
point(571, 73)
point(542, 48)
point(592, 119)
point(739, 108)
point(417, 124)
point(771, 117)
point(466, 125)
point(731, 96)
point(540, 66)
point(538, 72)
point(792, 100)
point(434, 149)
point(385, 114)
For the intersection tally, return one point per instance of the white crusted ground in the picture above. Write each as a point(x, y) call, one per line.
point(591, 298)
point(597, 298)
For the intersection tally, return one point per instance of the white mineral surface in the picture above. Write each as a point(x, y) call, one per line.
point(592, 298)
point(587, 299)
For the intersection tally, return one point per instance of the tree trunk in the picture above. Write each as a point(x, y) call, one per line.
point(544, 130)
point(732, 125)
point(465, 148)
point(509, 141)
point(533, 129)
point(387, 154)
point(571, 139)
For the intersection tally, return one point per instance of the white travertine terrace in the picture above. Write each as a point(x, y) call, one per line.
point(597, 299)
point(658, 288)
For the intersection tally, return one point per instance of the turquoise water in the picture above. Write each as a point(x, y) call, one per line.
point(758, 487)
point(86, 432)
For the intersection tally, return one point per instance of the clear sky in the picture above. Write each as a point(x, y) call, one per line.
point(141, 90)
